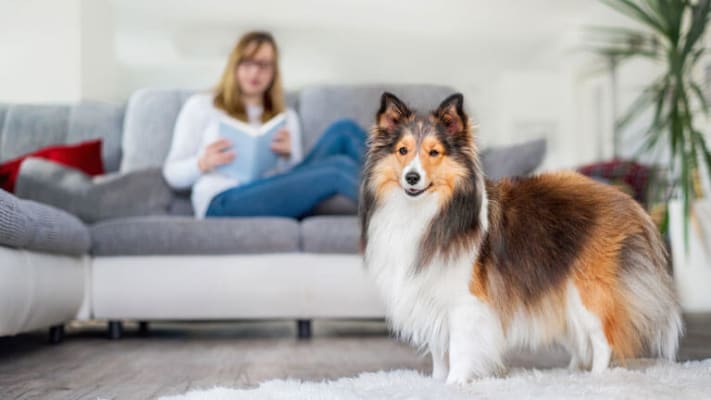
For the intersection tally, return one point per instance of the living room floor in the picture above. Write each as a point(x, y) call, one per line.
point(177, 357)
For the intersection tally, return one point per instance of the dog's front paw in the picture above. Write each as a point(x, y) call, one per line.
point(439, 374)
point(460, 379)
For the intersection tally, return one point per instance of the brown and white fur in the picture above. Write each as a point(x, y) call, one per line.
point(470, 268)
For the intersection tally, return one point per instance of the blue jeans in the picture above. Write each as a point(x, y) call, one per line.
point(331, 167)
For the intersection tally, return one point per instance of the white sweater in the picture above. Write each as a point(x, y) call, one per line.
point(197, 127)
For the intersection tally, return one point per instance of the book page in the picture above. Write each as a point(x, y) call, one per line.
point(252, 147)
point(266, 159)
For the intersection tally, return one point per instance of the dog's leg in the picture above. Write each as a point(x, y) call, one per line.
point(593, 346)
point(582, 328)
point(475, 342)
point(578, 361)
point(440, 364)
point(601, 351)
point(580, 353)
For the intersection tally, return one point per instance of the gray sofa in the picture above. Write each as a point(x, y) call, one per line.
point(140, 255)
point(43, 266)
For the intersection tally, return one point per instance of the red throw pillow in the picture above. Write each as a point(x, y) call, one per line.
point(84, 156)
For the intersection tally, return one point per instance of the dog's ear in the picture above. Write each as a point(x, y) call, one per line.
point(391, 113)
point(451, 115)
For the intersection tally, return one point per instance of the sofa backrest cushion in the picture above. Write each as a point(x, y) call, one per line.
point(320, 106)
point(148, 127)
point(26, 128)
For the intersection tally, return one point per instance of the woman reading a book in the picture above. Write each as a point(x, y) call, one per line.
point(248, 103)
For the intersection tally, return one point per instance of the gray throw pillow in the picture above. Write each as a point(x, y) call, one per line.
point(335, 205)
point(137, 193)
point(514, 160)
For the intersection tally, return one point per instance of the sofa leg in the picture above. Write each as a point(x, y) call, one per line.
point(115, 330)
point(304, 328)
point(143, 328)
point(56, 334)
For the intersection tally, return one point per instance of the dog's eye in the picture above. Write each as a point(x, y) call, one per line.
point(402, 150)
point(434, 153)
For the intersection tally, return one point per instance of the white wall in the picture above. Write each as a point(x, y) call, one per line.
point(40, 50)
point(508, 57)
point(98, 56)
point(514, 61)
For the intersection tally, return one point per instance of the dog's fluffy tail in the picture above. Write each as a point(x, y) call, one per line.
point(648, 289)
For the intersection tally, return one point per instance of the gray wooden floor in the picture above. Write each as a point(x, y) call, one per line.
point(176, 358)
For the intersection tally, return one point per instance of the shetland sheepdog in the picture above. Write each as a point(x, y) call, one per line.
point(470, 268)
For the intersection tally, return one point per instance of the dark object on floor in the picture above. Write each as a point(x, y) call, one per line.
point(115, 330)
point(630, 176)
point(143, 329)
point(56, 334)
point(304, 328)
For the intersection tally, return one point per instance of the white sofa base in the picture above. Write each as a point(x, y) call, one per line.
point(223, 287)
point(39, 290)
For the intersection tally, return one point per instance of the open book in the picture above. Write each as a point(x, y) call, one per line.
point(252, 145)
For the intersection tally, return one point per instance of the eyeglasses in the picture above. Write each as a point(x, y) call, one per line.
point(261, 65)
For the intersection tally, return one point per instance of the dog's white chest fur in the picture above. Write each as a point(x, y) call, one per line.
point(418, 304)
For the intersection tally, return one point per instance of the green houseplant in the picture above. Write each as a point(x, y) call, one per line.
point(672, 35)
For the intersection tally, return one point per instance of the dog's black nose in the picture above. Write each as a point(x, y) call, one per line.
point(412, 178)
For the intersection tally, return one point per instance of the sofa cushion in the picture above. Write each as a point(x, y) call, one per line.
point(181, 204)
point(161, 235)
point(33, 226)
point(148, 127)
point(93, 199)
point(330, 234)
point(336, 205)
point(26, 128)
point(514, 160)
point(320, 106)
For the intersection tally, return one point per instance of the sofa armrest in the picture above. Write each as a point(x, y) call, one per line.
point(33, 226)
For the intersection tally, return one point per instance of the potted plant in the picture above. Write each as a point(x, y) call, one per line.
point(672, 34)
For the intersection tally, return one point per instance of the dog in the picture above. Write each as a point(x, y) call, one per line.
point(470, 268)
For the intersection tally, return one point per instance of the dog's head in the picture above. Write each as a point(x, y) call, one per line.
point(421, 154)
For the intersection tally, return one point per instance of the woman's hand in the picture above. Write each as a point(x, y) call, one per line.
point(216, 153)
point(281, 144)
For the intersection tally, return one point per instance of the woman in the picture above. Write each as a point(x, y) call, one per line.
point(250, 90)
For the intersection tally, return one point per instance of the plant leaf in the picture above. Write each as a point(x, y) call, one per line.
point(696, 89)
point(699, 18)
point(631, 9)
point(704, 151)
point(645, 99)
point(659, 123)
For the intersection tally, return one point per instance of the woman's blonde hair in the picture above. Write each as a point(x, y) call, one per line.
point(228, 92)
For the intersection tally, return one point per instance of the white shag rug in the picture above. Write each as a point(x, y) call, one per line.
point(641, 379)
